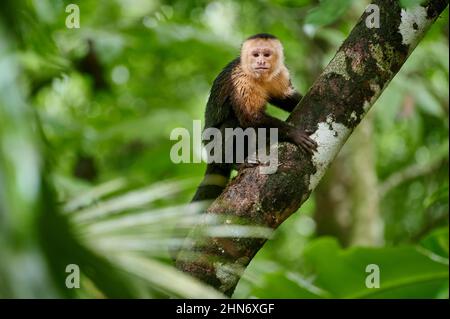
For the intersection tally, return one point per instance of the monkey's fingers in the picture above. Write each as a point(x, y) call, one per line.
point(308, 145)
point(246, 164)
point(303, 141)
point(309, 141)
point(307, 148)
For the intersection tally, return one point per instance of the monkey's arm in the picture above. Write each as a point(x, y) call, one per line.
point(288, 102)
point(286, 132)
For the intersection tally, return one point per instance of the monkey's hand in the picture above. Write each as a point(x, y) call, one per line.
point(302, 140)
point(286, 132)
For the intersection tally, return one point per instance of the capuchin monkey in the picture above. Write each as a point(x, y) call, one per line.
point(239, 96)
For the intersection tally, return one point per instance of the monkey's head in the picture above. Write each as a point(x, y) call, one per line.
point(262, 56)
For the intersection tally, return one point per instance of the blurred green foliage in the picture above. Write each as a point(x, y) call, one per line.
point(406, 272)
point(85, 173)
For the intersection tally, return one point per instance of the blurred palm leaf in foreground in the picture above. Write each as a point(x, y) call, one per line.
point(117, 258)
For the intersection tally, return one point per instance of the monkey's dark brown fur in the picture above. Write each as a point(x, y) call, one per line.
point(239, 96)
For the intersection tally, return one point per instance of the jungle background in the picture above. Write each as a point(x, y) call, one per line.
point(86, 178)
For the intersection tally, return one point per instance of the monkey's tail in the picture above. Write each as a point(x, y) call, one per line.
point(215, 180)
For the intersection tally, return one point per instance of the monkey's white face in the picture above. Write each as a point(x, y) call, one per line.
point(261, 57)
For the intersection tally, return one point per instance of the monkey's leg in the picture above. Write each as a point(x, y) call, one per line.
point(217, 175)
point(251, 157)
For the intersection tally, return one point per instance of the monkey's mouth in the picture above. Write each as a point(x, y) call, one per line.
point(261, 68)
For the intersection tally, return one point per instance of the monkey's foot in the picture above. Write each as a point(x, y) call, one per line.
point(246, 164)
point(253, 164)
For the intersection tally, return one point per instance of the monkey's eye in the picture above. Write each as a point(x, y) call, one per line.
point(267, 55)
point(256, 55)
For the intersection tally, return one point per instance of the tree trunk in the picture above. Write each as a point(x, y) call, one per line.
point(338, 100)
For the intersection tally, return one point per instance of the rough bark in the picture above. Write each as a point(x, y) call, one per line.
point(332, 108)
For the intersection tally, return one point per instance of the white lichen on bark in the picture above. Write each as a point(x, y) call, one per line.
point(413, 24)
point(330, 136)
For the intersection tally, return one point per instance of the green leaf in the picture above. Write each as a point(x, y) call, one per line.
point(330, 271)
point(327, 12)
point(288, 285)
point(404, 271)
point(437, 242)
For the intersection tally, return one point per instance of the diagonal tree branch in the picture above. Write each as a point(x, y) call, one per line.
point(338, 100)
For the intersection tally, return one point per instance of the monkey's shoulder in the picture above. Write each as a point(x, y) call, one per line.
point(218, 108)
point(223, 84)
